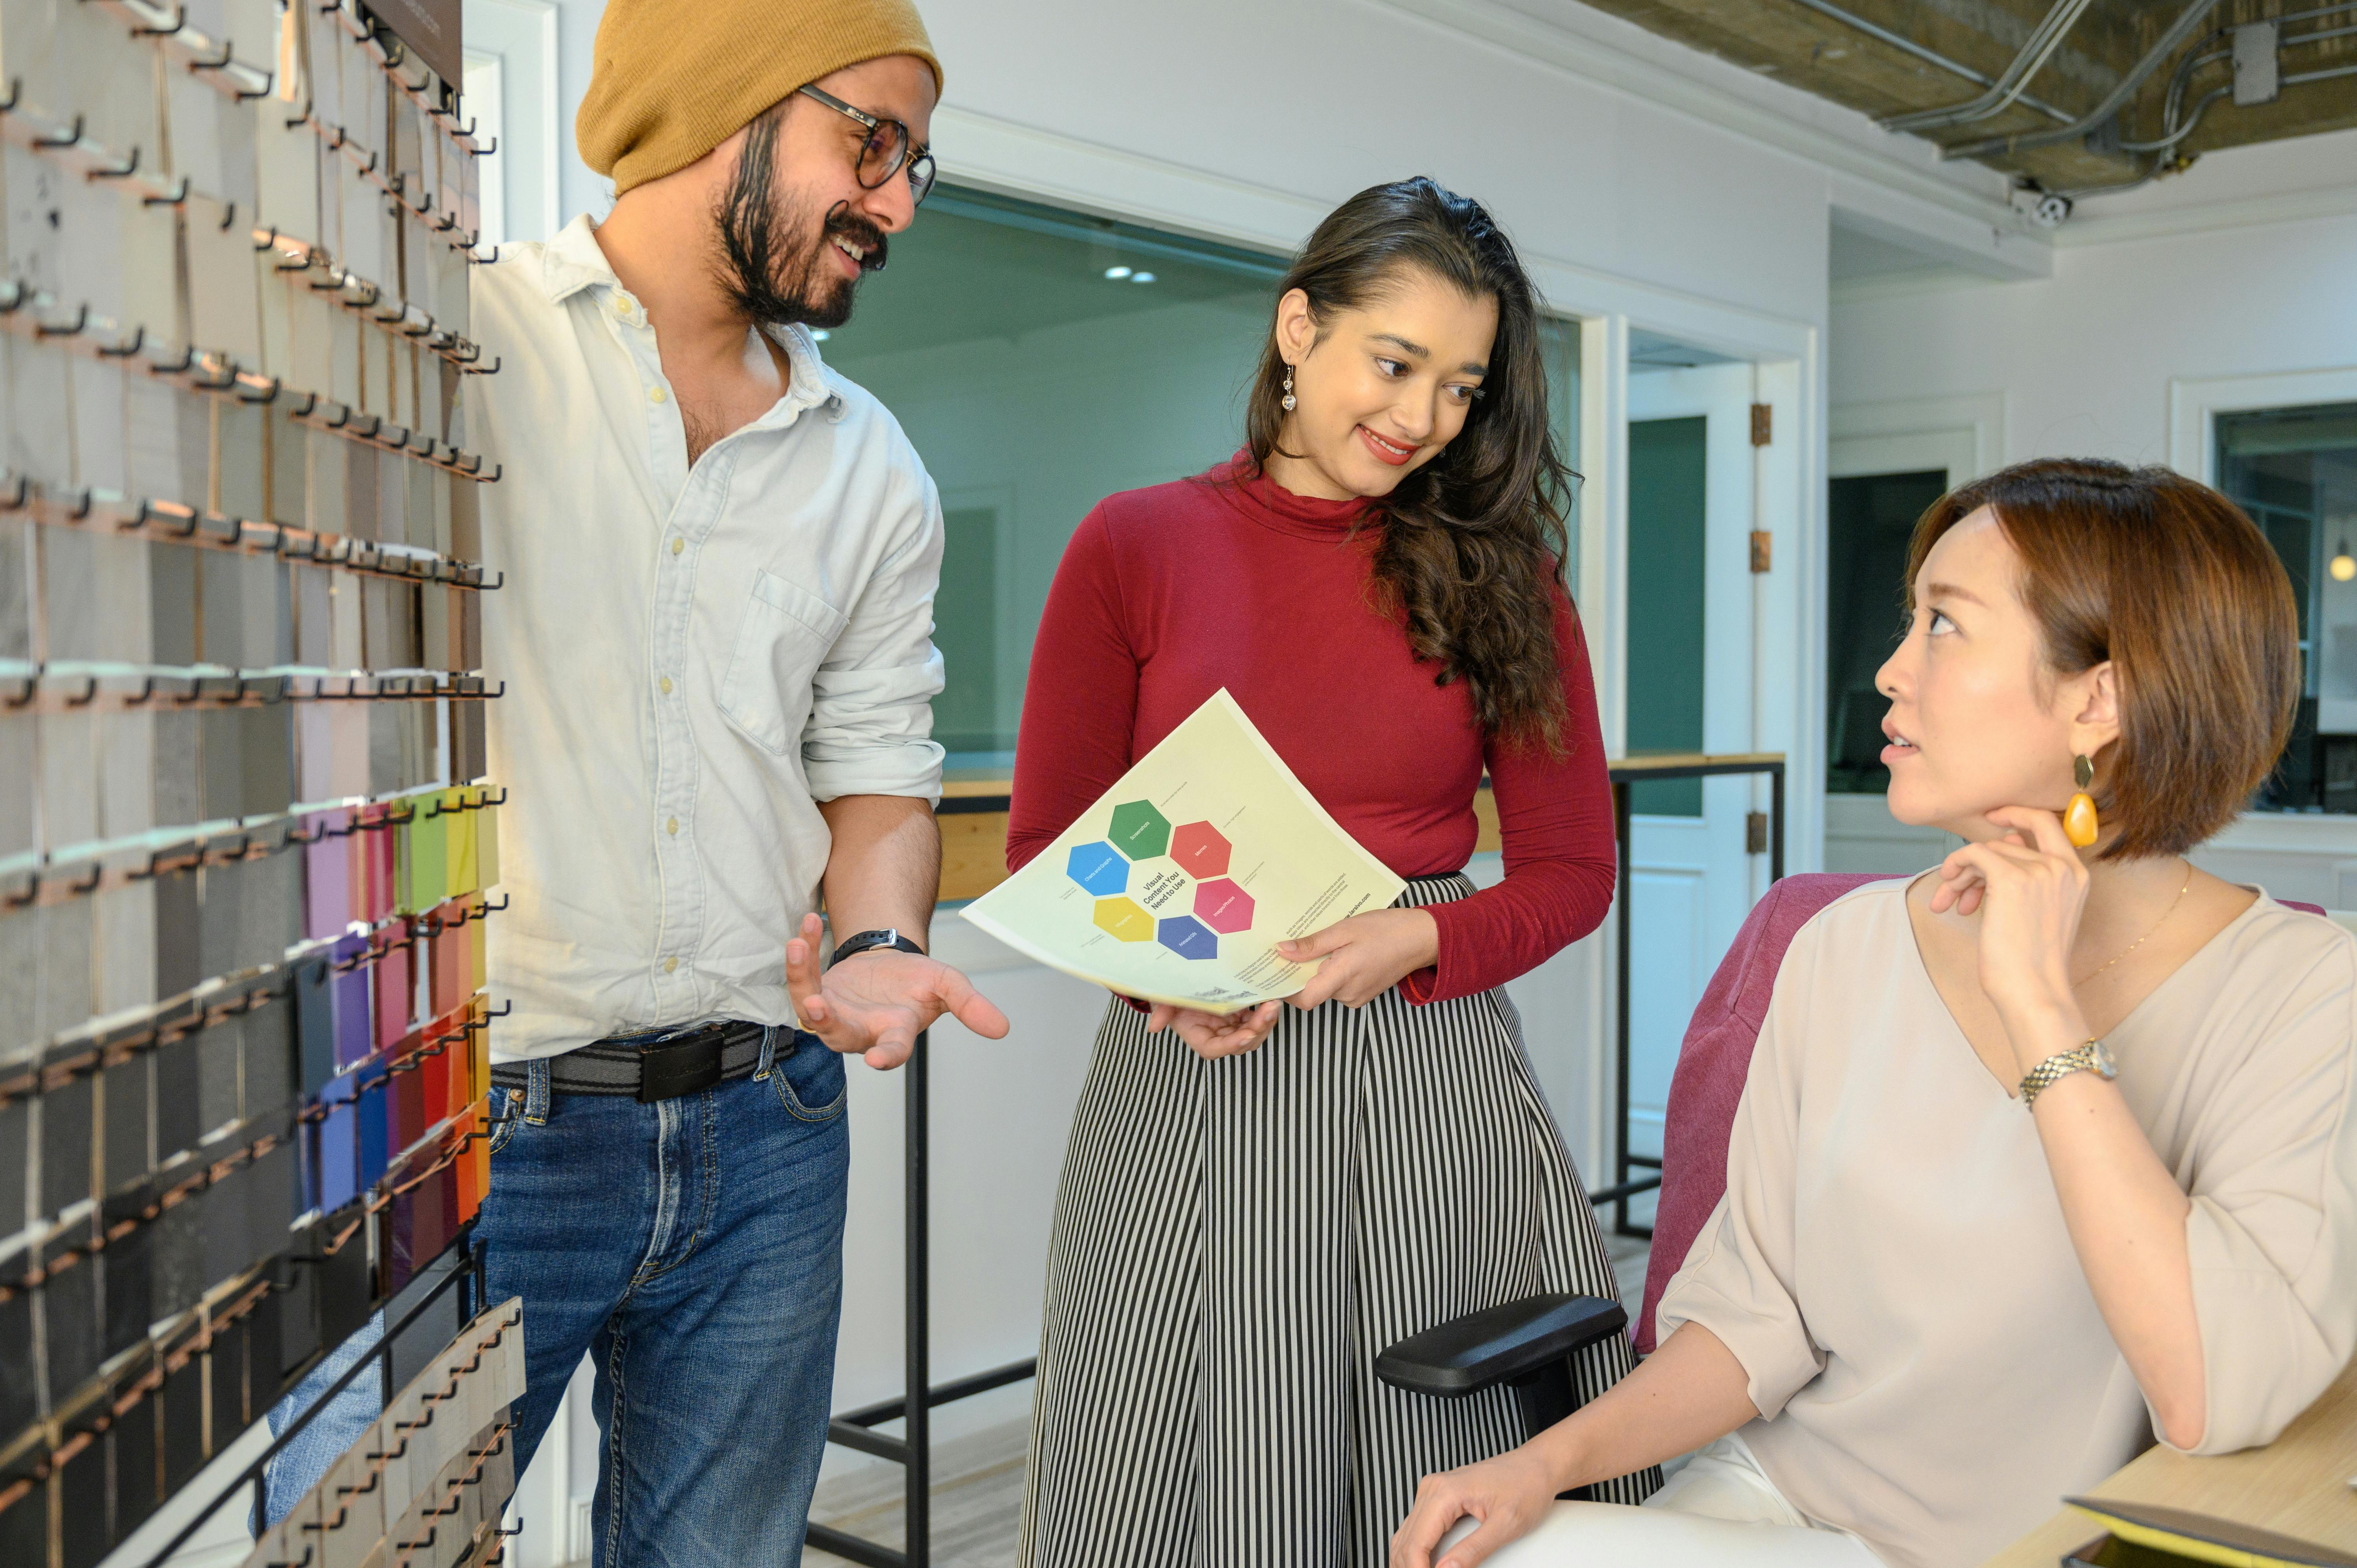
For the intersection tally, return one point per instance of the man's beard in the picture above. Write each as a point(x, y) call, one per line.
point(770, 277)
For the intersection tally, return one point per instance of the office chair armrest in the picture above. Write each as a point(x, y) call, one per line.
point(1503, 1344)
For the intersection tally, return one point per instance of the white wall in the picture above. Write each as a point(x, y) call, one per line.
point(2084, 359)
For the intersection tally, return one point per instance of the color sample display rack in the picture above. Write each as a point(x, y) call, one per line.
point(247, 844)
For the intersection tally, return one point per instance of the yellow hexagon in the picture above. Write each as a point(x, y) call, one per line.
point(1125, 919)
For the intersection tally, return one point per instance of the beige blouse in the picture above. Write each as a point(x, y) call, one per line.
point(1889, 1263)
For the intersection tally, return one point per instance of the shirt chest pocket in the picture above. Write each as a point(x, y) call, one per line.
point(785, 633)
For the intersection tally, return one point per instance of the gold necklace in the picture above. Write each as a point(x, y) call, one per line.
point(2132, 947)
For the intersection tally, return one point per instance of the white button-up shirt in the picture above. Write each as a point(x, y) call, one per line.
point(694, 656)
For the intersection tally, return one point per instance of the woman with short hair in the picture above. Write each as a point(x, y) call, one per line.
point(2042, 1153)
point(1245, 1224)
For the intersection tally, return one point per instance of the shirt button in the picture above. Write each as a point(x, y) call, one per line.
point(670, 965)
point(671, 826)
point(654, 395)
point(677, 545)
point(621, 308)
point(666, 685)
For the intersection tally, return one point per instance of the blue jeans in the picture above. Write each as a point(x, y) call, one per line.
point(693, 1247)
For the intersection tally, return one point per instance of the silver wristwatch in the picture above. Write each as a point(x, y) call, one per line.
point(2094, 1056)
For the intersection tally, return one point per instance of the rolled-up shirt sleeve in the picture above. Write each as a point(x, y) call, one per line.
point(871, 718)
point(2272, 1236)
point(1737, 1280)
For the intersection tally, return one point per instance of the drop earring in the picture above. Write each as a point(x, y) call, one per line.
point(1286, 401)
point(2079, 823)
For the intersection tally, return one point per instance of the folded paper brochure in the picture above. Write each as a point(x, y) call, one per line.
point(1180, 882)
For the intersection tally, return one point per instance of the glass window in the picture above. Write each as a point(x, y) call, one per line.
point(1870, 518)
point(2295, 471)
point(1667, 491)
point(1040, 360)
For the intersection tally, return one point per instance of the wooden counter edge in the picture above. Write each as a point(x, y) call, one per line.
point(2298, 1485)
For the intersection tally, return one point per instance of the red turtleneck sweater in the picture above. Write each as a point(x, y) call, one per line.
point(1166, 595)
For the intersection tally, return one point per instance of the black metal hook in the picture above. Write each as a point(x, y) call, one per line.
point(89, 693)
point(81, 319)
point(130, 166)
point(179, 20)
point(176, 198)
point(125, 350)
point(67, 140)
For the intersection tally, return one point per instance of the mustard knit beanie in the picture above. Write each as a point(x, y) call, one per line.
point(675, 78)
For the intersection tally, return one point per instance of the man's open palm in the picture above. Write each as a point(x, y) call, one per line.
point(874, 1004)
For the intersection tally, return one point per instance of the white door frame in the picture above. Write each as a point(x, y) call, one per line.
point(2195, 402)
point(1965, 436)
point(520, 38)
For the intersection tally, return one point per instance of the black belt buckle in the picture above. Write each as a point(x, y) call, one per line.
point(685, 1066)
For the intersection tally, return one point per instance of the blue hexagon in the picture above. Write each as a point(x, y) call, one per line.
point(1099, 868)
point(1189, 937)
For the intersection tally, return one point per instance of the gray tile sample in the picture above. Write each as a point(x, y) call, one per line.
point(220, 1056)
point(68, 1128)
point(172, 603)
point(179, 963)
point(224, 908)
point(126, 1156)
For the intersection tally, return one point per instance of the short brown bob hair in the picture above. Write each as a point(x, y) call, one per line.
point(2169, 581)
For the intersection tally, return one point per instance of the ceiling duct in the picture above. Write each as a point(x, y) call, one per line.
point(2006, 88)
point(2167, 44)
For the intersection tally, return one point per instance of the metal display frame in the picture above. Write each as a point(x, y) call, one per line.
point(468, 1279)
point(856, 1428)
point(1623, 773)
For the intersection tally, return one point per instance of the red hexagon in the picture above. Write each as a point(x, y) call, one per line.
point(1223, 906)
point(1200, 849)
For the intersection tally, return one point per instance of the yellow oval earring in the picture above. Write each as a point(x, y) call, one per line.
point(2079, 823)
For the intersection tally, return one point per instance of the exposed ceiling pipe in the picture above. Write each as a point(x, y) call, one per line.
point(2179, 31)
point(2202, 107)
point(2001, 94)
point(1908, 46)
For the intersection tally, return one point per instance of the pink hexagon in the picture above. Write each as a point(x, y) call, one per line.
point(1223, 906)
point(1200, 850)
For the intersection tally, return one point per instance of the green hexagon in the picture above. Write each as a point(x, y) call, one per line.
point(1139, 830)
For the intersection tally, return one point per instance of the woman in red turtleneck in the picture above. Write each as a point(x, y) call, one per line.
point(1253, 1206)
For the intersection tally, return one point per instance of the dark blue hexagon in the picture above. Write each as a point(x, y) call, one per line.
point(1189, 937)
point(1099, 867)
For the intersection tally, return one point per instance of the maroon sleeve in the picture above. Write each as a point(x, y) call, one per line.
point(1080, 704)
point(1555, 821)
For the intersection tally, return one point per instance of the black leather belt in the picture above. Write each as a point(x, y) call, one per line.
point(650, 1070)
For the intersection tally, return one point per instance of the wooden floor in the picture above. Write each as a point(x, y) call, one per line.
point(978, 1480)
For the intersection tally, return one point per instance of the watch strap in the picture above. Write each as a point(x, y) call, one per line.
point(2085, 1056)
point(862, 941)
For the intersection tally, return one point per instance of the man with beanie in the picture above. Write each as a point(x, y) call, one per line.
point(720, 558)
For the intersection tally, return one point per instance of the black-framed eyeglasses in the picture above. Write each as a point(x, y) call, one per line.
point(887, 149)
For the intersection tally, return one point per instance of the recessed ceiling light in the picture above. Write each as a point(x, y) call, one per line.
point(818, 335)
point(1116, 274)
point(1141, 277)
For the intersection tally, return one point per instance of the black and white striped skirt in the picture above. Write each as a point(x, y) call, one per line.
point(1235, 1242)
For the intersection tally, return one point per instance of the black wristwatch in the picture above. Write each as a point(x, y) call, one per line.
point(862, 941)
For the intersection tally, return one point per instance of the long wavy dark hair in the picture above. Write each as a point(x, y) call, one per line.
point(1471, 542)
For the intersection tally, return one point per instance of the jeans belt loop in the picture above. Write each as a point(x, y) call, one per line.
point(769, 1052)
point(535, 1093)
